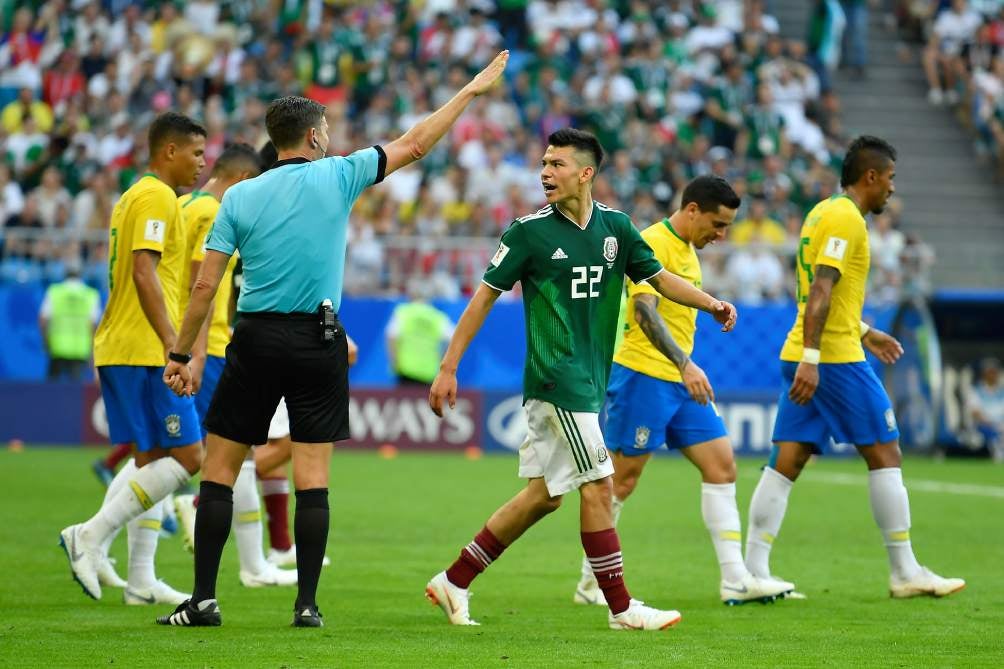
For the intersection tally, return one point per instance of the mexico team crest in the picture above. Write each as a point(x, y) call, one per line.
point(601, 454)
point(641, 437)
point(173, 425)
point(610, 249)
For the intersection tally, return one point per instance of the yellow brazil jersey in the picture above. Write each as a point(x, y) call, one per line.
point(636, 351)
point(147, 217)
point(834, 234)
point(199, 209)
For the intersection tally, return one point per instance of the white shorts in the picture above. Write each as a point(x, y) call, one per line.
point(279, 427)
point(564, 447)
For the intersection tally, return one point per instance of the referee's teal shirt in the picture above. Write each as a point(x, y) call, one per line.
point(289, 225)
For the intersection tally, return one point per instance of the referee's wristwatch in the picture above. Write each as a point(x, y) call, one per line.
point(183, 358)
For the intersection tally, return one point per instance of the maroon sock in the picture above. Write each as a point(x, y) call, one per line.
point(603, 549)
point(475, 558)
point(119, 453)
point(275, 492)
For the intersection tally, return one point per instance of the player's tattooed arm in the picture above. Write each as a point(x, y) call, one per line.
point(817, 307)
point(646, 314)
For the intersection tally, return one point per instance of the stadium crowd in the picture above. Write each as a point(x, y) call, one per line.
point(673, 89)
point(963, 59)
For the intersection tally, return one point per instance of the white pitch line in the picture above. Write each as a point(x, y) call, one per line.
point(912, 485)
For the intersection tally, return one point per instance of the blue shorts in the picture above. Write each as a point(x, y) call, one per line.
point(850, 405)
point(143, 411)
point(644, 412)
point(210, 377)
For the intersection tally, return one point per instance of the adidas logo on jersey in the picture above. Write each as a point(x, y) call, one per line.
point(559, 255)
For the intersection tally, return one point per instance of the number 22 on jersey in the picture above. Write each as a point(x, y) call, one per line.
point(586, 281)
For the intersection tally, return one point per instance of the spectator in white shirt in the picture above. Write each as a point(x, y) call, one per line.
point(953, 29)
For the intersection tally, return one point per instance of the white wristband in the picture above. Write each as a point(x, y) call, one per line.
point(810, 355)
point(865, 328)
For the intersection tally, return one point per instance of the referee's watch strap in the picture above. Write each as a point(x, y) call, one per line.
point(183, 358)
point(381, 164)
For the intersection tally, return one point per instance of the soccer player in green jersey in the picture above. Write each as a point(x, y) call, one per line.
point(571, 257)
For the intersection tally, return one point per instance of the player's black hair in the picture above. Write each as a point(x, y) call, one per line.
point(237, 158)
point(865, 153)
point(288, 118)
point(709, 192)
point(172, 127)
point(268, 155)
point(580, 140)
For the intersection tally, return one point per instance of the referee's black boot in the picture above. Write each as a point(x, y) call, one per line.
point(307, 616)
point(188, 614)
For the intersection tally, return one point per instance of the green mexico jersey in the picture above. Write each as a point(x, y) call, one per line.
point(572, 284)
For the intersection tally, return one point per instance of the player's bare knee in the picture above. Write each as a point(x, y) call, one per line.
point(624, 487)
point(190, 457)
point(548, 505)
point(719, 473)
point(882, 456)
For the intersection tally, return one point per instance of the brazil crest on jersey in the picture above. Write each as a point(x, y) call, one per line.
point(572, 282)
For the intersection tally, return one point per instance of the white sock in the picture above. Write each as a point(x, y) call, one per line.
point(616, 504)
point(127, 472)
point(247, 520)
point(770, 500)
point(721, 517)
point(150, 484)
point(891, 509)
point(144, 532)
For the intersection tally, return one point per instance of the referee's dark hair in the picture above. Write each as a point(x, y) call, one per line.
point(172, 127)
point(581, 141)
point(709, 192)
point(865, 153)
point(237, 158)
point(288, 118)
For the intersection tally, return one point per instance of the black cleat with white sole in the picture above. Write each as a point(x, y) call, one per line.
point(307, 616)
point(188, 614)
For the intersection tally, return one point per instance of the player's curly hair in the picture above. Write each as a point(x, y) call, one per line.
point(865, 153)
point(172, 127)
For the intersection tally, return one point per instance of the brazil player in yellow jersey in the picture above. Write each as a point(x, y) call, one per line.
point(834, 393)
point(657, 395)
point(146, 265)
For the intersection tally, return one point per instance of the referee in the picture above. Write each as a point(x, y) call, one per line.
point(289, 226)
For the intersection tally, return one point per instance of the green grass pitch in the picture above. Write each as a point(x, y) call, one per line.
point(397, 522)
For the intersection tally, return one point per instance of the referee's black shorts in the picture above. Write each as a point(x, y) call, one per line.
point(282, 355)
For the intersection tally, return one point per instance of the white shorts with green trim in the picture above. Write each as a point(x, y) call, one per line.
point(564, 447)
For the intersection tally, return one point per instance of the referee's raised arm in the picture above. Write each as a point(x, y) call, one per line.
point(415, 144)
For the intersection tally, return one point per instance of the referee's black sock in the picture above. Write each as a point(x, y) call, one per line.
point(310, 532)
point(212, 527)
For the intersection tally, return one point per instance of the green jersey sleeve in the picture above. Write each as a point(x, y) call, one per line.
point(641, 261)
point(510, 261)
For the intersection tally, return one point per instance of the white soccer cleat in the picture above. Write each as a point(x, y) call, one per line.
point(451, 599)
point(752, 589)
point(588, 592)
point(925, 582)
point(107, 576)
point(184, 508)
point(287, 558)
point(270, 576)
point(83, 560)
point(158, 593)
point(641, 617)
